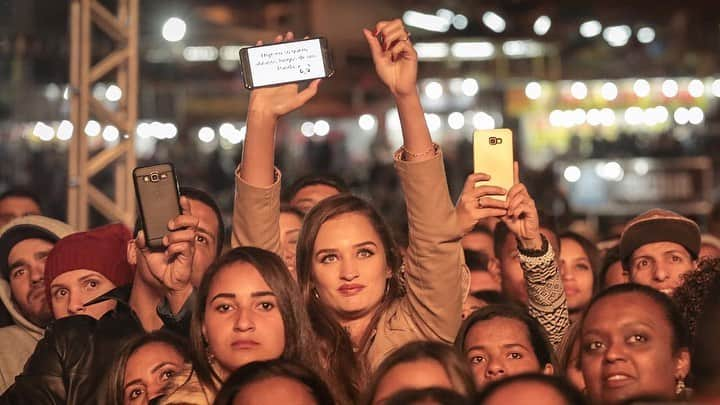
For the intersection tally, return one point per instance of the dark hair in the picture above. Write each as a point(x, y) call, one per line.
point(482, 228)
point(612, 256)
point(592, 253)
point(113, 385)
point(205, 198)
point(324, 179)
point(491, 297)
point(706, 352)
point(289, 209)
point(336, 341)
point(570, 394)
point(20, 192)
point(672, 314)
point(476, 260)
point(457, 369)
point(435, 395)
point(538, 337)
point(697, 288)
point(261, 370)
point(299, 338)
point(565, 350)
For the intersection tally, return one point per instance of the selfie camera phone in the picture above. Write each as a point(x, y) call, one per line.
point(493, 155)
point(285, 62)
point(158, 198)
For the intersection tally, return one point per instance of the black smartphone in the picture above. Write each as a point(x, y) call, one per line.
point(286, 62)
point(158, 198)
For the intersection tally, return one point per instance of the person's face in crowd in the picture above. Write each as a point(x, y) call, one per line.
point(526, 392)
point(289, 230)
point(479, 241)
point(483, 281)
point(243, 322)
point(471, 305)
point(71, 290)
point(16, 207)
point(573, 373)
point(660, 265)
point(627, 350)
point(616, 275)
point(26, 262)
point(708, 251)
point(275, 390)
point(513, 281)
point(308, 196)
point(577, 274)
point(498, 348)
point(418, 374)
point(206, 241)
point(350, 268)
point(149, 370)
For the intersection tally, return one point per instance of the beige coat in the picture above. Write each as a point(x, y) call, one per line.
point(435, 272)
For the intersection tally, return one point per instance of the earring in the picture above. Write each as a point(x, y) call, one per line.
point(679, 387)
point(315, 294)
point(387, 287)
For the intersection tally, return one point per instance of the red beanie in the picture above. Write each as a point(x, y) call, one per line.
point(102, 249)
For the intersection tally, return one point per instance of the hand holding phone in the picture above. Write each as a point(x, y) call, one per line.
point(158, 199)
point(283, 62)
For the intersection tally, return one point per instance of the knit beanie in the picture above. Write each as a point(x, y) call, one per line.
point(658, 225)
point(29, 227)
point(102, 249)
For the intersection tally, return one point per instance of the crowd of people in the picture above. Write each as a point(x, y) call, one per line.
point(317, 301)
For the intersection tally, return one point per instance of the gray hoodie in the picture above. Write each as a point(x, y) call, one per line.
point(17, 342)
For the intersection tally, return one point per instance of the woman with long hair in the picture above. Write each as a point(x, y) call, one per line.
point(248, 308)
point(364, 302)
point(579, 263)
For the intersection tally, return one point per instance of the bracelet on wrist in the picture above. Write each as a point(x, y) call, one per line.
point(407, 153)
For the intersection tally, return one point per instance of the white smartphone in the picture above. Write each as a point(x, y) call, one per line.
point(285, 62)
point(493, 155)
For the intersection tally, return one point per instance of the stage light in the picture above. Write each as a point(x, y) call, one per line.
point(174, 29)
point(493, 21)
point(681, 116)
point(43, 131)
point(479, 50)
point(641, 87)
point(617, 35)
point(609, 91)
point(433, 122)
point(579, 90)
point(426, 22)
point(110, 133)
point(65, 130)
point(696, 115)
point(646, 35)
point(113, 93)
point(459, 22)
point(433, 90)
point(590, 29)
point(456, 120)
point(696, 88)
point(533, 90)
point(572, 174)
point(92, 128)
point(670, 88)
point(470, 87)
point(206, 134)
point(432, 50)
point(366, 122)
point(542, 25)
point(321, 128)
point(483, 120)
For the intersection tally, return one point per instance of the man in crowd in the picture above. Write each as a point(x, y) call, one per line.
point(305, 192)
point(70, 361)
point(24, 245)
point(15, 203)
point(659, 246)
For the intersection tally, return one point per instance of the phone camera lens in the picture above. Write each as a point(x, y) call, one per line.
point(154, 177)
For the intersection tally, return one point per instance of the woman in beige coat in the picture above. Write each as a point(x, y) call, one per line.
point(359, 296)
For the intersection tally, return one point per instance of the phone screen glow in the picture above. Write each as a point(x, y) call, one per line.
point(286, 62)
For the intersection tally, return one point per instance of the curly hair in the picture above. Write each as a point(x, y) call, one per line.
point(690, 297)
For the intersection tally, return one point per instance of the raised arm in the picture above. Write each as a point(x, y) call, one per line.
point(546, 297)
point(436, 276)
point(256, 208)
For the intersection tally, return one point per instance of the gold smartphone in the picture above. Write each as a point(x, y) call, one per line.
point(493, 155)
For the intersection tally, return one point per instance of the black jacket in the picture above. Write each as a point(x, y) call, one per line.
point(69, 363)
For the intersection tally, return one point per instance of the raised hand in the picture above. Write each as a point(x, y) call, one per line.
point(522, 217)
point(277, 101)
point(394, 56)
point(175, 269)
point(474, 204)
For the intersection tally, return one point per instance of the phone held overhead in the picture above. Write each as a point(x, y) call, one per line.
point(158, 198)
point(286, 62)
point(493, 155)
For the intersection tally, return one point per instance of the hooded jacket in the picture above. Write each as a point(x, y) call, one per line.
point(19, 340)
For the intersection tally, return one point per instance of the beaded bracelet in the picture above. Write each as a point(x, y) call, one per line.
point(407, 153)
